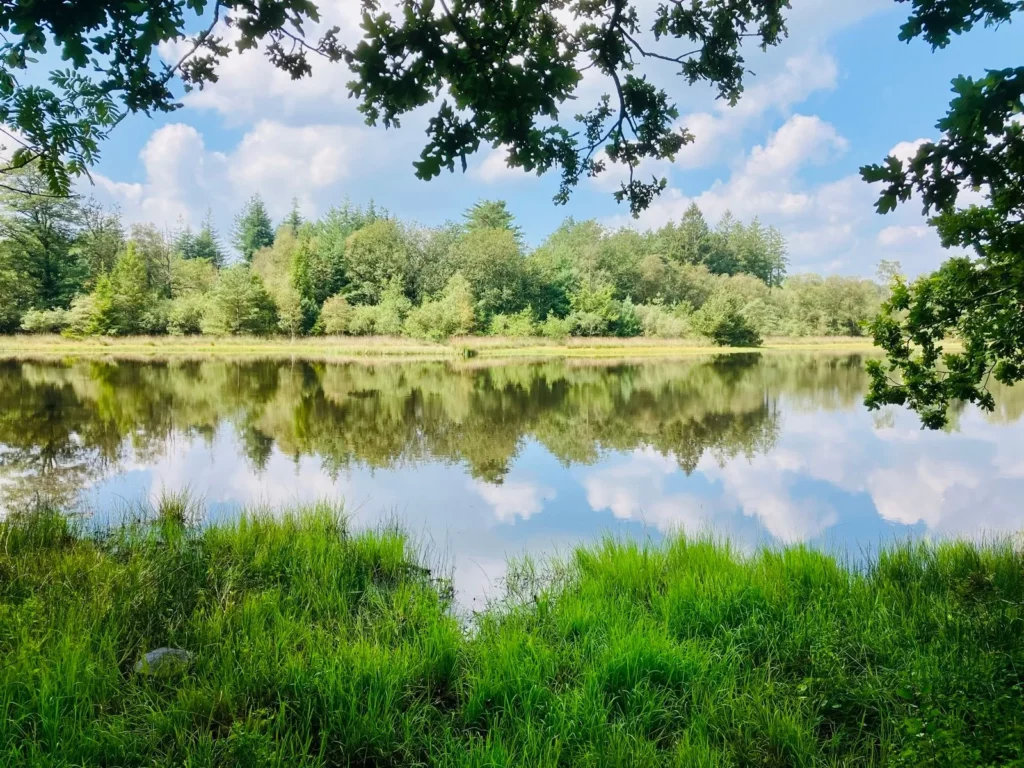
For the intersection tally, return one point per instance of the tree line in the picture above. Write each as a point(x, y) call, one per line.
point(69, 266)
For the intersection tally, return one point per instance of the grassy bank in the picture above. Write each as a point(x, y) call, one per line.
point(314, 647)
point(347, 347)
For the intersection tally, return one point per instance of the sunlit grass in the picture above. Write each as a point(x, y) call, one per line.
point(378, 347)
point(314, 646)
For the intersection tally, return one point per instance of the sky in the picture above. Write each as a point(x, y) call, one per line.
point(840, 92)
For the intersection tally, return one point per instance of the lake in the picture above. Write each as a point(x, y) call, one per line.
point(485, 462)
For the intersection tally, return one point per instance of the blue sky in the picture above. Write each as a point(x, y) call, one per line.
point(840, 92)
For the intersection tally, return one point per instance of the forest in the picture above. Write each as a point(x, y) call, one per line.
point(69, 266)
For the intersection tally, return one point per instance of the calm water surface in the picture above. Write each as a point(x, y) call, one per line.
point(484, 463)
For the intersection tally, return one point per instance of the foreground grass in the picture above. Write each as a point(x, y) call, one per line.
point(342, 348)
point(315, 647)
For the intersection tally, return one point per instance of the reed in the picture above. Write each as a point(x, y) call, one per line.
point(315, 646)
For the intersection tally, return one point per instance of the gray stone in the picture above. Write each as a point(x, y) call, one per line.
point(164, 662)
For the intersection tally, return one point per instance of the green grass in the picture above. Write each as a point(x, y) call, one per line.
point(317, 647)
point(354, 348)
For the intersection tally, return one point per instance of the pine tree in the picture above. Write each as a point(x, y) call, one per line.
point(253, 228)
point(206, 244)
point(294, 217)
point(130, 293)
point(491, 214)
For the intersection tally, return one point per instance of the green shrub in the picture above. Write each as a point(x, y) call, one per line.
point(84, 317)
point(517, 326)
point(45, 320)
point(721, 321)
point(451, 315)
point(155, 319)
point(16, 296)
point(240, 304)
point(335, 315)
point(427, 321)
point(186, 313)
point(595, 312)
point(628, 323)
point(363, 320)
point(661, 322)
point(587, 324)
point(555, 327)
point(290, 317)
point(384, 319)
point(768, 317)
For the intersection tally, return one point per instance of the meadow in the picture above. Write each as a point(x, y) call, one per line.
point(313, 645)
point(348, 347)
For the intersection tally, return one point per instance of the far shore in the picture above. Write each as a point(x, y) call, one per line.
point(377, 347)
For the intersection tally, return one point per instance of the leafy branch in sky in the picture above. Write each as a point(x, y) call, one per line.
point(971, 182)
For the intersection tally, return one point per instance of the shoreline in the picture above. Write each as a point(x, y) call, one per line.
point(354, 349)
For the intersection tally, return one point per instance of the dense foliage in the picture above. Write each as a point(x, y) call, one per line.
point(313, 646)
point(971, 181)
point(67, 267)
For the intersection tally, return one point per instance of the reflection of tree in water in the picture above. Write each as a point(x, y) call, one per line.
point(64, 424)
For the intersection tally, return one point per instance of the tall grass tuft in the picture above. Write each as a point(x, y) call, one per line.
point(314, 646)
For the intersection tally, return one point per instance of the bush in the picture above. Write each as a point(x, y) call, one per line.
point(555, 327)
point(384, 319)
point(520, 325)
point(155, 320)
point(629, 323)
point(721, 321)
point(451, 315)
point(428, 321)
point(84, 316)
point(594, 309)
point(587, 324)
point(15, 297)
point(661, 322)
point(186, 313)
point(240, 304)
point(290, 317)
point(335, 315)
point(767, 316)
point(363, 321)
point(44, 320)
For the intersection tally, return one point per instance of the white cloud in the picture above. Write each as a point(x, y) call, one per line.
point(183, 177)
point(513, 499)
point(831, 226)
point(764, 181)
point(250, 87)
point(494, 169)
point(903, 235)
point(282, 161)
point(801, 76)
point(761, 488)
point(906, 150)
point(634, 490)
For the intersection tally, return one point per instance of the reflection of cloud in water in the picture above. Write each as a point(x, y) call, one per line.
point(763, 488)
point(513, 499)
point(219, 473)
point(919, 493)
point(482, 464)
point(636, 489)
point(965, 483)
